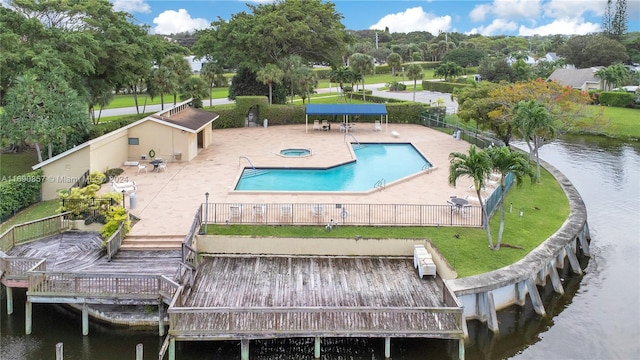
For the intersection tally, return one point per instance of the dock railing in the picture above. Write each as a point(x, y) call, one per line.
point(114, 242)
point(342, 214)
point(32, 230)
point(236, 322)
point(83, 286)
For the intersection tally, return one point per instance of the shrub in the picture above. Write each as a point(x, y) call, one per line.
point(617, 98)
point(96, 178)
point(114, 217)
point(397, 86)
point(112, 173)
point(19, 192)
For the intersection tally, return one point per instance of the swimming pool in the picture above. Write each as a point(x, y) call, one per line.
point(374, 161)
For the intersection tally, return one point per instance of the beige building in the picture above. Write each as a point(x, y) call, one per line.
point(176, 134)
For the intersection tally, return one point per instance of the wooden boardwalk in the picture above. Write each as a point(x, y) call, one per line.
point(239, 297)
point(75, 251)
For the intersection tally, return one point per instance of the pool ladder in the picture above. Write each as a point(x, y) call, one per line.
point(246, 158)
point(354, 139)
point(380, 184)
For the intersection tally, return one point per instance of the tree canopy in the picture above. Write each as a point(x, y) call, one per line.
point(311, 29)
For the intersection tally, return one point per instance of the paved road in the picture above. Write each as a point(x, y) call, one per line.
point(427, 97)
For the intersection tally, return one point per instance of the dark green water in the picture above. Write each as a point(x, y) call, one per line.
point(597, 318)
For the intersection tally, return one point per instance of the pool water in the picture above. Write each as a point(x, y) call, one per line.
point(374, 162)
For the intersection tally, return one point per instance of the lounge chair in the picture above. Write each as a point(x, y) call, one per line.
point(258, 212)
point(316, 125)
point(377, 126)
point(235, 212)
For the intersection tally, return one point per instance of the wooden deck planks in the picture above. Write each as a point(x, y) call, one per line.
point(259, 282)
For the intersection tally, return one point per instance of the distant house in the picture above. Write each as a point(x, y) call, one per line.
point(583, 79)
point(196, 64)
point(530, 60)
point(176, 134)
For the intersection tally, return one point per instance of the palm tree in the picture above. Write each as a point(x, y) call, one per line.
point(395, 61)
point(179, 72)
point(477, 166)
point(289, 66)
point(534, 123)
point(195, 88)
point(341, 75)
point(160, 83)
point(269, 75)
point(213, 75)
point(307, 80)
point(362, 65)
point(504, 161)
point(414, 72)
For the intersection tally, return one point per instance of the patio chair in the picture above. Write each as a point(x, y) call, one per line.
point(162, 167)
point(142, 167)
point(377, 126)
point(316, 125)
point(325, 125)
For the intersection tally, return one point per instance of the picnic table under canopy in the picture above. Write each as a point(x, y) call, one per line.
point(346, 110)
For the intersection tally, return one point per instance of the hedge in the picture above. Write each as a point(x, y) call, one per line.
point(617, 98)
point(19, 192)
point(441, 86)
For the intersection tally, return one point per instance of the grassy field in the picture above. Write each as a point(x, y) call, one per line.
point(465, 248)
point(624, 122)
point(16, 164)
point(33, 212)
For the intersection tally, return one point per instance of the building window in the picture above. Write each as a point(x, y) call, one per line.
point(134, 141)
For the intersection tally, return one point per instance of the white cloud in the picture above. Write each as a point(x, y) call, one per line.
point(497, 26)
point(479, 13)
point(559, 9)
point(413, 19)
point(566, 26)
point(506, 9)
point(131, 6)
point(172, 22)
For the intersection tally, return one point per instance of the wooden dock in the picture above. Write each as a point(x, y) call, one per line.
point(260, 297)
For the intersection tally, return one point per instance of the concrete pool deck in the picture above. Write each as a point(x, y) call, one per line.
point(166, 201)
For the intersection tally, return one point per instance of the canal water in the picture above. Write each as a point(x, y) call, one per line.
point(597, 318)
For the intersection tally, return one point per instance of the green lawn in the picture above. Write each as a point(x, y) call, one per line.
point(16, 164)
point(624, 122)
point(465, 248)
point(36, 211)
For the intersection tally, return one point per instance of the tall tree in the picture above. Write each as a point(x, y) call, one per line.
point(290, 65)
point(178, 71)
point(477, 166)
point(213, 76)
point(342, 75)
point(194, 88)
point(414, 72)
point(505, 162)
point(43, 110)
point(536, 125)
point(270, 32)
point(363, 65)
point(615, 21)
point(395, 61)
point(269, 75)
point(160, 83)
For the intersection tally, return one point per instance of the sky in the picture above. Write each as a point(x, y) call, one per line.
point(497, 17)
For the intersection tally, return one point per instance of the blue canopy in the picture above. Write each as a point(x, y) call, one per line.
point(346, 109)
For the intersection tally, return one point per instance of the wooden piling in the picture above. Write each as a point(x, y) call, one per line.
point(28, 312)
point(139, 352)
point(387, 347)
point(316, 348)
point(85, 319)
point(59, 351)
point(161, 318)
point(244, 349)
point(9, 300)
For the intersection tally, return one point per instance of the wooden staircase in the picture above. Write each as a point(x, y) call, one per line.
point(153, 242)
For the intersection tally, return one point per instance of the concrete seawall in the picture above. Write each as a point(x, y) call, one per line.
point(484, 294)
